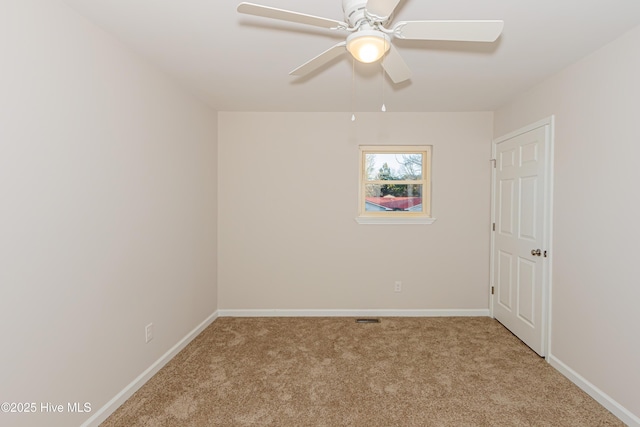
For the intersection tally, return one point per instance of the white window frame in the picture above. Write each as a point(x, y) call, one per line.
point(395, 217)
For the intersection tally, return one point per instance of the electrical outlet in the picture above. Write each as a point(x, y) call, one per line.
point(397, 287)
point(148, 332)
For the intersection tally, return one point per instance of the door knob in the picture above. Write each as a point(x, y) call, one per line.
point(536, 252)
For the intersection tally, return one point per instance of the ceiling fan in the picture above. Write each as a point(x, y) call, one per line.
point(370, 38)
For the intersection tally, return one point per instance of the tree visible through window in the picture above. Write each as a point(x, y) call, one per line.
point(394, 181)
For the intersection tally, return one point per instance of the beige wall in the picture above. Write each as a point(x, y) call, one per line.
point(288, 198)
point(111, 194)
point(595, 319)
point(107, 212)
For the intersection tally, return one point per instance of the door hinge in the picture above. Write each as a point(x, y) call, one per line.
point(494, 162)
point(492, 290)
point(494, 226)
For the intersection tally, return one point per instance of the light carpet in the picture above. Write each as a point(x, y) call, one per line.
point(336, 372)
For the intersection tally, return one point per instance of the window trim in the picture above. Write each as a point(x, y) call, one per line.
point(394, 217)
point(395, 220)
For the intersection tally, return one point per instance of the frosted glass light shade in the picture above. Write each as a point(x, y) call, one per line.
point(368, 45)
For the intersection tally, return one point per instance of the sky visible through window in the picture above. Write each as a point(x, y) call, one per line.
point(401, 166)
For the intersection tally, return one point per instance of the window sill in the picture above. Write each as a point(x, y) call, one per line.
point(394, 220)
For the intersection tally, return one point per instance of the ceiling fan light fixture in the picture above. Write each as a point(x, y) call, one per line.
point(370, 39)
point(368, 45)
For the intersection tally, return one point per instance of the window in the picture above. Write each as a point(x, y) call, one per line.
point(395, 185)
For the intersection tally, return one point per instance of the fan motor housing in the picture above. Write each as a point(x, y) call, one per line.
point(355, 13)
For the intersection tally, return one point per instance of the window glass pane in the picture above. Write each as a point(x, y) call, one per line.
point(393, 197)
point(393, 166)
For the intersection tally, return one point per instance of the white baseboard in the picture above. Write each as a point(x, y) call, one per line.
point(103, 413)
point(483, 312)
point(601, 397)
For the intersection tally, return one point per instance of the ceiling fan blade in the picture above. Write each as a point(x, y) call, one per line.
point(381, 8)
point(395, 66)
point(287, 15)
point(466, 31)
point(320, 60)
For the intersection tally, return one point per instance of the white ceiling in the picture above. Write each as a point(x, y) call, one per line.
point(241, 63)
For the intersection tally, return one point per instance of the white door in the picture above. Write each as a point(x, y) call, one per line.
point(521, 211)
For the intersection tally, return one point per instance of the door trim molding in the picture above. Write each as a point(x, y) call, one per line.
point(549, 123)
point(540, 123)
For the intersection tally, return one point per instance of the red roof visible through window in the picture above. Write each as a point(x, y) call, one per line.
point(395, 203)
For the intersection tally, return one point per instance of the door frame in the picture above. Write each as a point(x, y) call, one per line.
point(547, 233)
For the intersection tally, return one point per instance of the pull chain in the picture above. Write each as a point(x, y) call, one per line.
point(353, 89)
point(384, 107)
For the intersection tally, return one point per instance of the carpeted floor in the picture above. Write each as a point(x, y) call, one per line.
point(335, 372)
